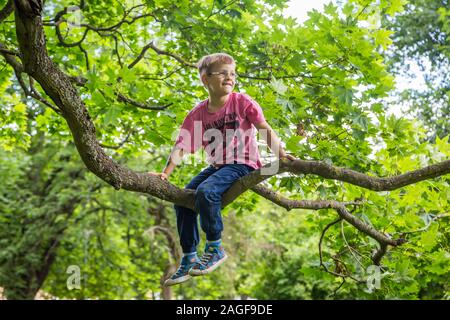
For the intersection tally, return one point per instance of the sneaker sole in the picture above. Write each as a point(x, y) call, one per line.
point(171, 282)
point(196, 272)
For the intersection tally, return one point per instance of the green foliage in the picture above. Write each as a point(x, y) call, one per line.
point(329, 75)
point(421, 37)
point(38, 198)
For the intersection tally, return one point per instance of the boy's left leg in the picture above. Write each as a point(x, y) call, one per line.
point(208, 202)
point(188, 233)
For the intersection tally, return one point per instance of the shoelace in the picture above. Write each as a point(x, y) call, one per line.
point(205, 258)
point(181, 270)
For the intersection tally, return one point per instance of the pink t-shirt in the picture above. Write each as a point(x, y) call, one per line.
point(228, 135)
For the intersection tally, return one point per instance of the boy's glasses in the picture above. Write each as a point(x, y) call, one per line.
point(223, 74)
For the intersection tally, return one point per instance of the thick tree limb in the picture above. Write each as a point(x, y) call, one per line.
point(327, 171)
point(362, 180)
point(4, 51)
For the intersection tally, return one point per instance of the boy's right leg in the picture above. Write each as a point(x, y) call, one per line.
point(187, 219)
point(187, 227)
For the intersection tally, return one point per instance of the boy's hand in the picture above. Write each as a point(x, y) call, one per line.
point(162, 175)
point(283, 154)
point(289, 157)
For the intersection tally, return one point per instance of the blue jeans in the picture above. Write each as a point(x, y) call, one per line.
point(209, 186)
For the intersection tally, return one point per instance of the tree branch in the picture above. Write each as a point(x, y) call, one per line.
point(36, 95)
point(7, 10)
point(376, 258)
point(81, 82)
point(122, 98)
point(289, 204)
point(176, 57)
point(120, 144)
point(140, 56)
point(5, 51)
point(18, 70)
point(362, 180)
point(342, 212)
point(327, 171)
point(367, 229)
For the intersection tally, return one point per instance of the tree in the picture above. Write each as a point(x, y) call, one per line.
point(307, 76)
point(421, 34)
point(42, 191)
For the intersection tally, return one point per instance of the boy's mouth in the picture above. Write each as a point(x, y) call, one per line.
point(228, 84)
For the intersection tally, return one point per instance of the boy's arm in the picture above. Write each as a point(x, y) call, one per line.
point(272, 140)
point(173, 160)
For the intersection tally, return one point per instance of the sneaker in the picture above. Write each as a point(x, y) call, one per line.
point(182, 274)
point(211, 259)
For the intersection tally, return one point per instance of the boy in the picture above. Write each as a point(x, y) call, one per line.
point(224, 125)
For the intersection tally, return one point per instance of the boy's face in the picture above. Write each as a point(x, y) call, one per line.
point(221, 79)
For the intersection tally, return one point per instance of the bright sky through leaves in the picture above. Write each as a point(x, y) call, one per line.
point(299, 9)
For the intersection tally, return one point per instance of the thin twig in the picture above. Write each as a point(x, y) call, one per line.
point(348, 246)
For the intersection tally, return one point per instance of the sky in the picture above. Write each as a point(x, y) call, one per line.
point(299, 8)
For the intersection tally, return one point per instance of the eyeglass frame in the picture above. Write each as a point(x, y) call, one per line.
point(222, 74)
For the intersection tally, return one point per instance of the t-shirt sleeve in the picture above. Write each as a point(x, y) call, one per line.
point(253, 111)
point(186, 139)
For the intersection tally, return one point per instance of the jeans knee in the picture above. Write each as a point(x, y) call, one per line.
point(204, 193)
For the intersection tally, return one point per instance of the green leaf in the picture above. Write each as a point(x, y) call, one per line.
point(382, 37)
point(278, 86)
point(361, 121)
point(293, 145)
point(348, 9)
point(443, 145)
point(112, 115)
point(428, 238)
point(287, 105)
point(127, 75)
point(396, 6)
point(345, 96)
point(21, 108)
point(93, 79)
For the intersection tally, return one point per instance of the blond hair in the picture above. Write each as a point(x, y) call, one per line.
point(206, 62)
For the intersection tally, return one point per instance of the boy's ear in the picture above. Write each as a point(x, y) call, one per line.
point(204, 79)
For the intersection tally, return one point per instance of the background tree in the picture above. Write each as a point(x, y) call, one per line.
point(421, 37)
point(43, 188)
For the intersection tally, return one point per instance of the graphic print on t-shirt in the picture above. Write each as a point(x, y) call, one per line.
point(227, 125)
